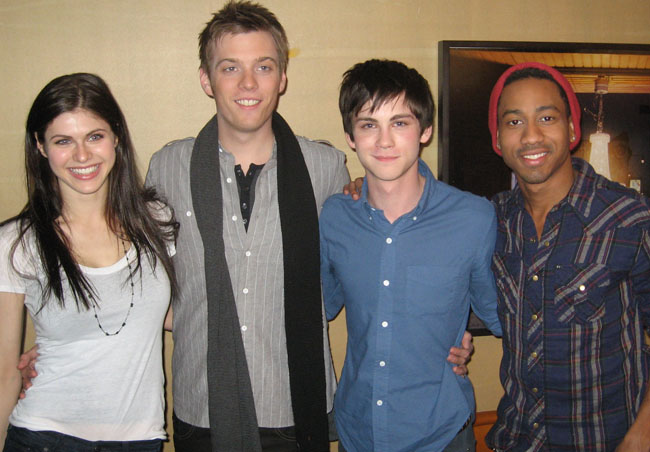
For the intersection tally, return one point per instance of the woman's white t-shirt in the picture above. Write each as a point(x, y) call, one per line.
point(89, 385)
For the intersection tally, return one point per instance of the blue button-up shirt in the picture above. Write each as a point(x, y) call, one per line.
point(573, 305)
point(407, 288)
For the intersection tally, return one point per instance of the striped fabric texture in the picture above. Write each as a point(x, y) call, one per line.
point(256, 270)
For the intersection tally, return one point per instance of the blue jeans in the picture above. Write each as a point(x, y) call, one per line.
point(464, 440)
point(24, 440)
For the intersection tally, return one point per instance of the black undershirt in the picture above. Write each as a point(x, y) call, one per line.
point(246, 188)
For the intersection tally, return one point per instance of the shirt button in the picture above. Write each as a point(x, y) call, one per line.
point(234, 218)
point(535, 277)
point(415, 218)
point(382, 363)
point(535, 390)
point(245, 290)
point(582, 287)
point(534, 316)
point(547, 243)
point(229, 180)
point(248, 253)
point(244, 327)
point(380, 402)
point(389, 240)
point(534, 354)
point(386, 282)
point(188, 213)
point(384, 324)
point(535, 425)
point(244, 206)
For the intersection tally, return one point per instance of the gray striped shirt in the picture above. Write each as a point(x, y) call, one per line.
point(256, 271)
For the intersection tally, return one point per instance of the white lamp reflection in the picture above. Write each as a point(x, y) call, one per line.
point(599, 156)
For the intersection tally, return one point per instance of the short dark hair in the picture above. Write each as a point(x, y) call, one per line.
point(380, 81)
point(242, 17)
point(533, 72)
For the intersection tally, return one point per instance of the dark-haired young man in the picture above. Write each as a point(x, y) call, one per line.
point(572, 264)
point(406, 261)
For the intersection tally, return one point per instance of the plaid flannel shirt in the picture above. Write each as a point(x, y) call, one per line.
point(573, 306)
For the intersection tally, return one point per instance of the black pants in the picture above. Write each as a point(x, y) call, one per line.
point(463, 442)
point(189, 438)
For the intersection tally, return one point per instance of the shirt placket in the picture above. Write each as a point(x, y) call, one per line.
point(242, 245)
point(536, 257)
point(387, 282)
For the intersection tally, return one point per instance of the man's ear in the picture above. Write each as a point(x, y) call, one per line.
point(204, 78)
point(572, 131)
point(426, 134)
point(40, 147)
point(350, 141)
point(498, 142)
point(283, 82)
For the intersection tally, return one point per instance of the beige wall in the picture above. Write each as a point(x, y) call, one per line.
point(146, 51)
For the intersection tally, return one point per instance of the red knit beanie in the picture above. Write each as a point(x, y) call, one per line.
point(574, 106)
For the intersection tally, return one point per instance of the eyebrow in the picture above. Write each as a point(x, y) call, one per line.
point(515, 111)
point(61, 135)
point(392, 118)
point(235, 60)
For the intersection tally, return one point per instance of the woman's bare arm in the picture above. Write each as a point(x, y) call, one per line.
point(11, 333)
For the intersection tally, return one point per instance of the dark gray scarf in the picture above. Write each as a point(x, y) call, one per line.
point(233, 421)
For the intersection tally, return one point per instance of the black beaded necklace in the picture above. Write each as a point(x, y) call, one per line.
point(95, 304)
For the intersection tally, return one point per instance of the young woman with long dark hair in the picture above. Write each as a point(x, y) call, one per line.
point(89, 256)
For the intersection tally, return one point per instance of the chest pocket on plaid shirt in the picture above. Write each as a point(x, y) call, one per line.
point(507, 269)
point(580, 292)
